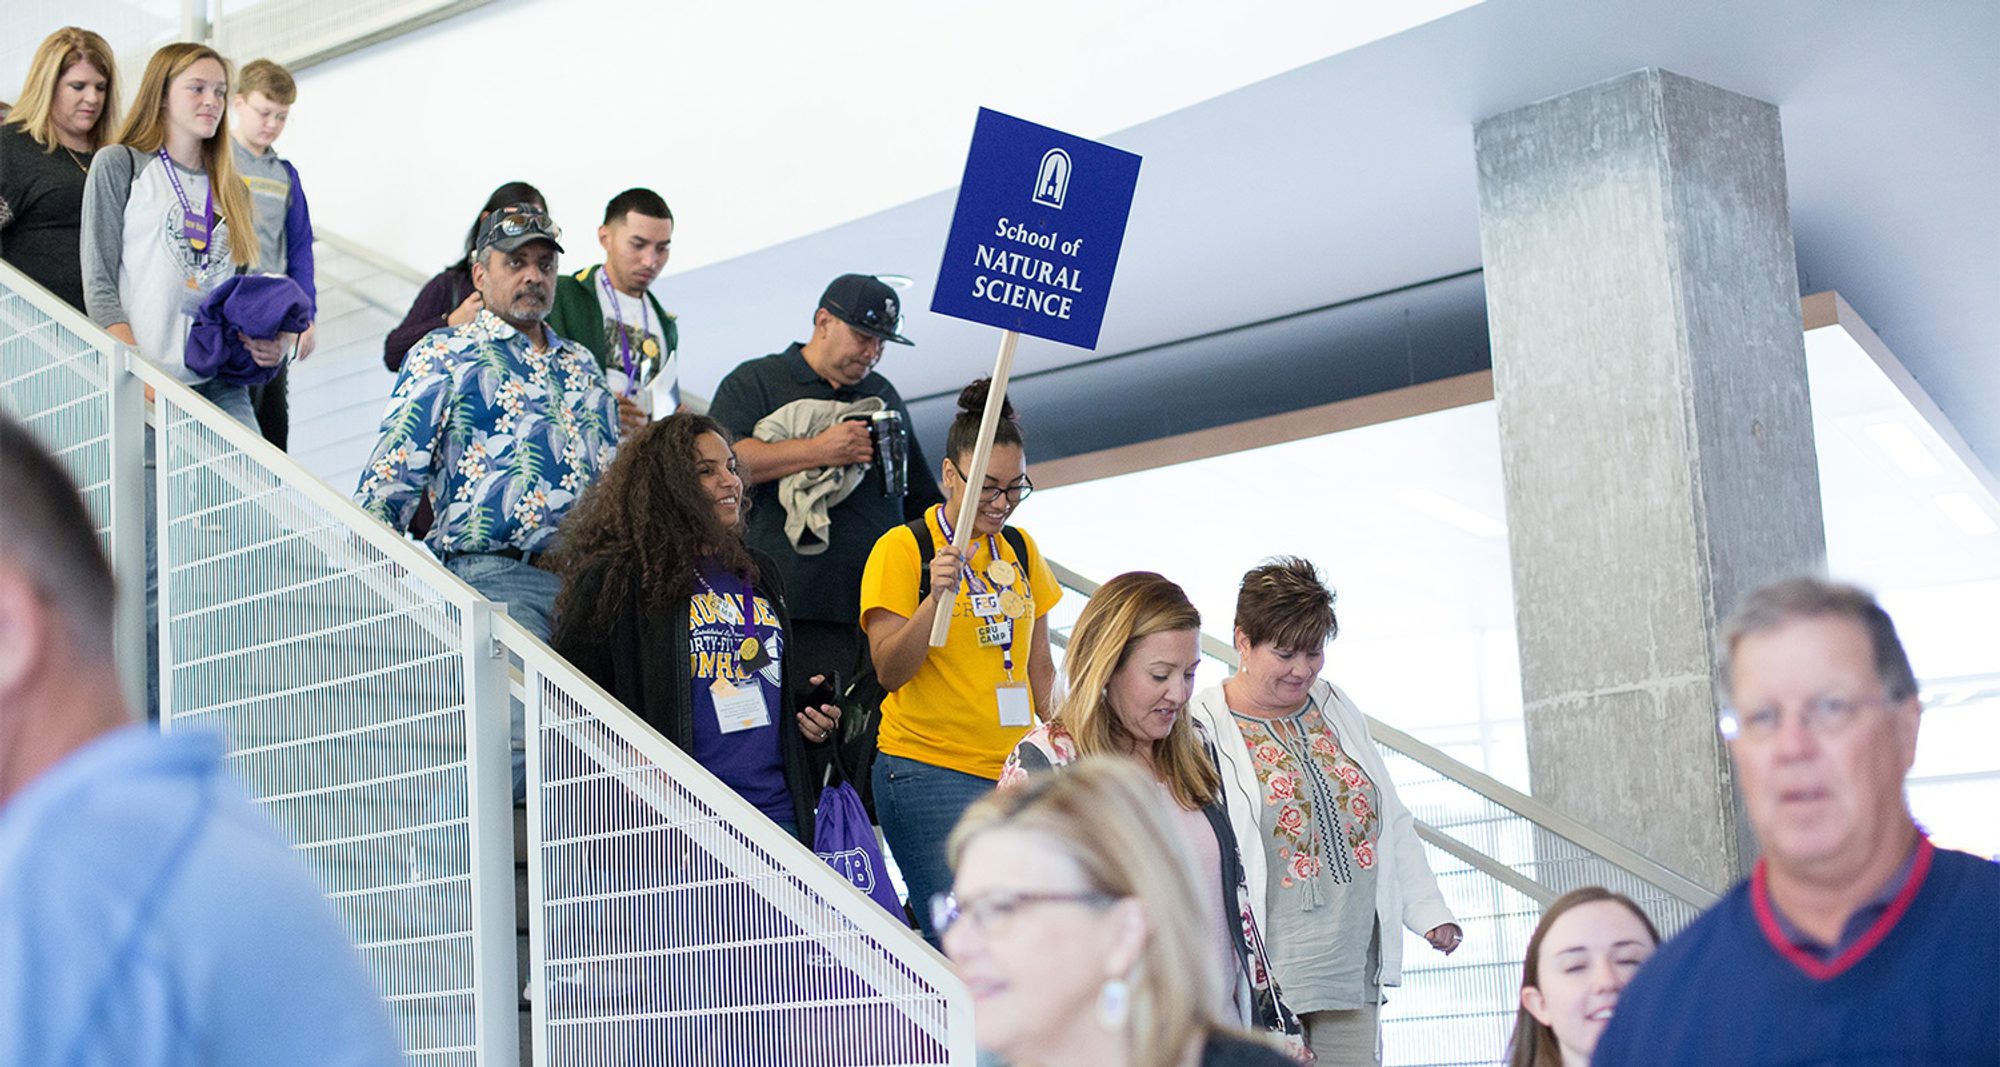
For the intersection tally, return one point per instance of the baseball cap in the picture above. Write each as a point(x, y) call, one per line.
point(515, 225)
point(866, 303)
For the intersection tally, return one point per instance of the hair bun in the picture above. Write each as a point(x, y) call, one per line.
point(972, 400)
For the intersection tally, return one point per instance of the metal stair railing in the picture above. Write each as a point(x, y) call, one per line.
point(364, 695)
point(667, 929)
point(1500, 857)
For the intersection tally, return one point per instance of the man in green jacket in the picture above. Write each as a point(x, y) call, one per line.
point(610, 310)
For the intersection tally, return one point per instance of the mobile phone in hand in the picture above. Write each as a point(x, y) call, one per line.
point(826, 692)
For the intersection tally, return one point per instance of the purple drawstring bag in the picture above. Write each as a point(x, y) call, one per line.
point(843, 838)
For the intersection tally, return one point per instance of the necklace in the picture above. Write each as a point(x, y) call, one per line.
point(76, 159)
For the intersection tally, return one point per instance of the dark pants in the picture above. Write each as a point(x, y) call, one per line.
point(274, 417)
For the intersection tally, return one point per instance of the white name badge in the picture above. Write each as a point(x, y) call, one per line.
point(1015, 707)
point(993, 635)
point(736, 709)
point(986, 605)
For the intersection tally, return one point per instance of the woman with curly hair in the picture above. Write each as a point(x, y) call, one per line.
point(1131, 665)
point(665, 607)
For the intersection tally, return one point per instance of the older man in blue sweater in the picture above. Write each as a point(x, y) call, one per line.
point(1855, 941)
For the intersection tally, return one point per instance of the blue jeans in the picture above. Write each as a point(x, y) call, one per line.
point(530, 596)
point(234, 400)
point(918, 805)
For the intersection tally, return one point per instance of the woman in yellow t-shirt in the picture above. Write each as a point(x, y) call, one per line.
point(954, 713)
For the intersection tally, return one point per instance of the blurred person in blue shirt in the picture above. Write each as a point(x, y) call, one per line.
point(149, 915)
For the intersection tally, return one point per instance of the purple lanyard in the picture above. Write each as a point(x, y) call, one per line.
point(624, 336)
point(971, 577)
point(199, 230)
point(978, 585)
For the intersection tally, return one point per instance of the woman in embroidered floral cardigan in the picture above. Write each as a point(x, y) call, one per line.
point(1130, 667)
point(1339, 868)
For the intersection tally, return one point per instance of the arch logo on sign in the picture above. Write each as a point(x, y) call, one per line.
point(1036, 233)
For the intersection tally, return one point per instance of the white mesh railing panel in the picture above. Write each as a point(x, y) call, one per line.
point(53, 382)
point(337, 678)
point(674, 926)
point(1460, 1008)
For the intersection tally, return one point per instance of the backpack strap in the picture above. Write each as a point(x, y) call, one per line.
point(926, 551)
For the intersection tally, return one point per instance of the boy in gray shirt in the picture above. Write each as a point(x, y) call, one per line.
point(259, 110)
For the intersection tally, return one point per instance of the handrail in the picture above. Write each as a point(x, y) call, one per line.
point(356, 250)
point(1486, 864)
point(1536, 811)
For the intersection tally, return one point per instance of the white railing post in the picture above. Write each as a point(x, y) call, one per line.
point(538, 964)
point(490, 810)
point(125, 407)
point(162, 561)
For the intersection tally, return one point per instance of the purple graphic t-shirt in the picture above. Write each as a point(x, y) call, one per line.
point(746, 758)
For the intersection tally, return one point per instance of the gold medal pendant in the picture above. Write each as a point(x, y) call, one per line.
point(1001, 573)
point(747, 651)
point(649, 347)
point(1013, 604)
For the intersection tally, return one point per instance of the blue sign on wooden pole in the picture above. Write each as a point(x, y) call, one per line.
point(1035, 236)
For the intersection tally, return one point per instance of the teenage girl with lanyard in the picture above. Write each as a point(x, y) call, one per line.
point(953, 714)
point(157, 214)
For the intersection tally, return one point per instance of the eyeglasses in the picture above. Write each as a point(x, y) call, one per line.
point(990, 915)
point(519, 220)
point(1824, 716)
point(1015, 491)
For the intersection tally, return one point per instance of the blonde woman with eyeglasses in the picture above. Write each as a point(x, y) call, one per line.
point(1068, 920)
point(68, 108)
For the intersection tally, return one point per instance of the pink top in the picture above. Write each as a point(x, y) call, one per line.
point(1206, 853)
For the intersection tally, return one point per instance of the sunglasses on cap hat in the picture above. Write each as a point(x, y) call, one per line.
point(518, 224)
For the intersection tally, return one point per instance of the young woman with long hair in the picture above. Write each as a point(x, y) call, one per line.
point(166, 218)
point(1068, 920)
point(67, 110)
point(1131, 664)
point(1589, 943)
point(665, 607)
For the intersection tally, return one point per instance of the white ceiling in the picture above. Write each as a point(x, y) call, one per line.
point(1354, 176)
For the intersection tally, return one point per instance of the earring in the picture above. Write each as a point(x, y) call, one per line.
point(1114, 1002)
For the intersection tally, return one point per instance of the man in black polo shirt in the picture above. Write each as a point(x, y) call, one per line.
point(856, 314)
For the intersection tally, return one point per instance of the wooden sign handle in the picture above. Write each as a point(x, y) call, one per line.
point(975, 476)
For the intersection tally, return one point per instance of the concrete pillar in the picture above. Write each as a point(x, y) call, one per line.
point(1656, 435)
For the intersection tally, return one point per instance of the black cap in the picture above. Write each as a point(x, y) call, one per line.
point(866, 303)
point(515, 225)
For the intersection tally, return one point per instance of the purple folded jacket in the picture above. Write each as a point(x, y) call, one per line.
point(258, 305)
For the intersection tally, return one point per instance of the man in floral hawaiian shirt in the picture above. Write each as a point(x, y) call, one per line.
point(502, 422)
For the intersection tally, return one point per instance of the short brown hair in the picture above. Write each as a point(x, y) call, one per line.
point(1284, 601)
point(1813, 598)
point(264, 76)
point(46, 532)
